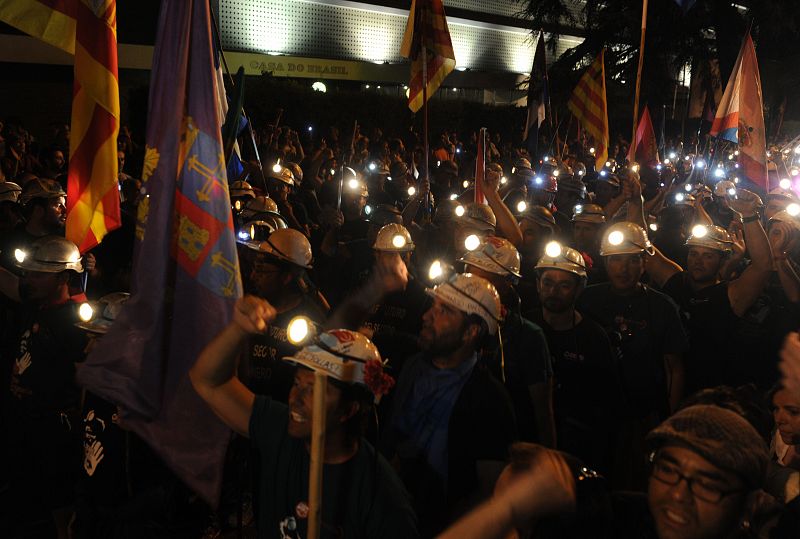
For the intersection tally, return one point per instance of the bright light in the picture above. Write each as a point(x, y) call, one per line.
point(435, 270)
point(659, 167)
point(399, 241)
point(785, 183)
point(679, 197)
point(556, 172)
point(298, 330)
point(472, 242)
point(797, 150)
point(635, 167)
point(455, 89)
point(352, 183)
point(553, 249)
point(319, 87)
point(367, 209)
point(736, 179)
point(616, 238)
point(591, 151)
point(460, 210)
point(546, 158)
point(736, 152)
point(454, 196)
point(85, 312)
point(372, 166)
point(603, 173)
point(672, 155)
point(310, 129)
point(458, 150)
point(700, 163)
point(333, 172)
point(608, 163)
point(666, 161)
point(688, 187)
point(794, 171)
point(732, 191)
point(276, 168)
point(521, 206)
point(699, 231)
point(538, 180)
point(793, 209)
point(654, 227)
point(730, 157)
point(407, 92)
point(719, 173)
point(412, 191)
point(20, 255)
point(581, 172)
point(578, 208)
point(366, 86)
point(503, 180)
point(378, 87)
point(686, 158)
point(237, 205)
point(465, 184)
point(243, 235)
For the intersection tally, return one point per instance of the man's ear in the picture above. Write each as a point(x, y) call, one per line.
point(472, 332)
point(352, 409)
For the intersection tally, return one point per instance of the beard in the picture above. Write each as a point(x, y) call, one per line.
point(556, 305)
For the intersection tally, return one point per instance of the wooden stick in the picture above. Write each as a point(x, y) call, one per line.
point(317, 456)
point(639, 78)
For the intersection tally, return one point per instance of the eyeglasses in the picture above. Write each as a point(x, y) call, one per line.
point(700, 487)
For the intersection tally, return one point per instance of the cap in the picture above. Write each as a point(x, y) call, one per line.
point(41, 188)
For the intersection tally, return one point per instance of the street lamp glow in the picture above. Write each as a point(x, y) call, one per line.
point(319, 87)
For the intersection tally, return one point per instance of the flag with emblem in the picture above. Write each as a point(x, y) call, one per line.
point(427, 43)
point(186, 271)
point(87, 29)
point(740, 115)
point(646, 146)
point(588, 105)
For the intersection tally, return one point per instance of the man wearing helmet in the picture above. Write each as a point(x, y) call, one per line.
point(361, 495)
point(586, 391)
point(646, 328)
point(43, 403)
point(450, 418)
point(522, 362)
point(588, 221)
point(712, 306)
point(278, 276)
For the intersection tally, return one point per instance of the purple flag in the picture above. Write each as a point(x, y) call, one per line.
point(186, 271)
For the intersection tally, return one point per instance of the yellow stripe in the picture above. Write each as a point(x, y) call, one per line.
point(588, 103)
point(41, 22)
point(97, 81)
point(408, 37)
point(82, 109)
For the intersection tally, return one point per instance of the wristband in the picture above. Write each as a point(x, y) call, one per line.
point(752, 218)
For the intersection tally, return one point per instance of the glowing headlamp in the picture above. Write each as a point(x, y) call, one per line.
point(616, 238)
point(465, 184)
point(699, 231)
point(412, 191)
point(276, 168)
point(688, 187)
point(85, 312)
point(654, 227)
point(20, 255)
point(556, 172)
point(793, 209)
point(460, 211)
point(700, 163)
point(732, 190)
point(522, 206)
point(719, 173)
point(472, 242)
point(372, 166)
point(352, 184)
point(453, 196)
point(553, 249)
point(398, 241)
point(591, 151)
point(785, 183)
point(367, 209)
point(435, 271)
point(237, 205)
point(300, 330)
point(672, 155)
point(578, 208)
point(503, 180)
point(679, 197)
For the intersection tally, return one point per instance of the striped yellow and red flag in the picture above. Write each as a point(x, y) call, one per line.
point(588, 105)
point(427, 43)
point(88, 29)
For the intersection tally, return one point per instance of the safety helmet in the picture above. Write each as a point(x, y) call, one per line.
point(610, 165)
point(525, 174)
point(383, 214)
point(41, 188)
point(588, 213)
point(786, 194)
point(347, 356)
point(282, 174)
point(393, 238)
point(446, 210)
point(572, 184)
point(495, 167)
point(784, 216)
point(287, 245)
point(520, 164)
point(723, 188)
point(9, 192)
point(256, 231)
point(625, 238)
point(608, 178)
point(478, 216)
point(710, 236)
point(241, 188)
point(578, 170)
point(98, 315)
point(561, 257)
point(297, 172)
point(539, 215)
point(259, 206)
point(472, 295)
point(682, 199)
point(354, 185)
point(495, 255)
point(544, 182)
point(50, 254)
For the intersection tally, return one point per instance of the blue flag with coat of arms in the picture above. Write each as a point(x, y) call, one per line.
point(186, 271)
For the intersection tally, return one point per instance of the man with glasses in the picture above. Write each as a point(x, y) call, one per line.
point(707, 467)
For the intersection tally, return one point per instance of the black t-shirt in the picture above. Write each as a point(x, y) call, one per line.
point(587, 394)
point(709, 320)
point(360, 498)
point(43, 363)
point(396, 322)
point(262, 367)
point(643, 326)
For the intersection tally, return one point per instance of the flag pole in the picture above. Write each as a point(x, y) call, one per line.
point(639, 78)
point(317, 456)
point(424, 52)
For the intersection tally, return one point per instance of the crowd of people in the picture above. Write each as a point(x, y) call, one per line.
point(583, 349)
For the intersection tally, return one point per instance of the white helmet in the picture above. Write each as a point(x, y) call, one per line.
point(282, 174)
point(784, 216)
point(495, 255)
point(561, 257)
point(50, 254)
point(241, 188)
point(256, 231)
point(479, 216)
point(9, 192)
point(98, 315)
point(287, 245)
point(472, 295)
point(260, 204)
point(347, 356)
point(625, 238)
point(588, 213)
point(723, 188)
point(393, 238)
point(786, 194)
point(712, 237)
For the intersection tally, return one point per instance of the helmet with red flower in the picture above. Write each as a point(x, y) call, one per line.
point(340, 354)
